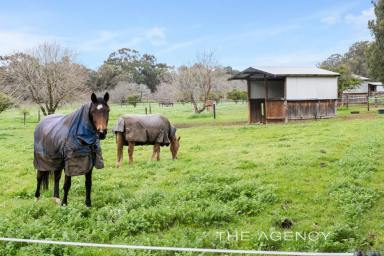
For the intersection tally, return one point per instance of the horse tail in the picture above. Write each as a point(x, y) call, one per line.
point(46, 176)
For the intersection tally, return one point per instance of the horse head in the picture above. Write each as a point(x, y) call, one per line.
point(99, 114)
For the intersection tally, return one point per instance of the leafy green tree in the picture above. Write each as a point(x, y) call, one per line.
point(356, 58)
point(133, 100)
point(128, 65)
point(5, 102)
point(346, 79)
point(106, 77)
point(376, 49)
point(237, 95)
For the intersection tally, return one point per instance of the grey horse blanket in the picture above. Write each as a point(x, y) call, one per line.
point(69, 142)
point(145, 129)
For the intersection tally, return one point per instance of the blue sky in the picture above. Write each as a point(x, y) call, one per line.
point(241, 33)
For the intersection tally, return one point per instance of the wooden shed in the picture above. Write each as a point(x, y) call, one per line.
point(366, 87)
point(360, 94)
point(282, 94)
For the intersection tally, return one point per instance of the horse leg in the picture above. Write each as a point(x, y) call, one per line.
point(120, 145)
point(154, 152)
point(131, 147)
point(67, 186)
point(158, 152)
point(56, 196)
point(39, 179)
point(88, 187)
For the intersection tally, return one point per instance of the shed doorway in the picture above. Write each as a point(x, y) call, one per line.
point(257, 110)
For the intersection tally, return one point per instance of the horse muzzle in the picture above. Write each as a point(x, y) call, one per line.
point(102, 133)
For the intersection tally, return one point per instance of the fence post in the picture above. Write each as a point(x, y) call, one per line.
point(38, 115)
point(368, 102)
point(214, 110)
point(347, 101)
point(146, 111)
point(150, 109)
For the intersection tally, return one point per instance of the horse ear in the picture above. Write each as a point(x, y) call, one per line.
point(178, 139)
point(106, 97)
point(94, 98)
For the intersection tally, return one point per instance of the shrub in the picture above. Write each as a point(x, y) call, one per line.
point(5, 102)
point(237, 95)
point(133, 100)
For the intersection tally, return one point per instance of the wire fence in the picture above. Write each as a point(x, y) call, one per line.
point(373, 101)
point(173, 249)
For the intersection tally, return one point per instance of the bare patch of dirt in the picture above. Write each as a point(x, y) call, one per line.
point(364, 116)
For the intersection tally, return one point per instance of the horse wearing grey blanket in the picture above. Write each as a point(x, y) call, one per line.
point(153, 130)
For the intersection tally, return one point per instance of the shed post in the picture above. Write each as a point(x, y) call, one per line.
point(369, 94)
point(265, 101)
point(249, 100)
point(285, 101)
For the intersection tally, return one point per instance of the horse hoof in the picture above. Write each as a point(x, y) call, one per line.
point(118, 165)
point(57, 200)
point(36, 199)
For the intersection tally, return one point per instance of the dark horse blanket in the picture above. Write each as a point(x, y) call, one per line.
point(69, 142)
point(145, 129)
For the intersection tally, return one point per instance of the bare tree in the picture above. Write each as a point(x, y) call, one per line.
point(46, 74)
point(166, 92)
point(197, 82)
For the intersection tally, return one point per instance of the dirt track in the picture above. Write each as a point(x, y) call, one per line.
point(363, 116)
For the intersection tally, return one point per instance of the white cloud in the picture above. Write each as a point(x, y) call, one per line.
point(16, 40)
point(156, 36)
point(330, 19)
point(356, 20)
point(110, 40)
point(181, 45)
point(360, 20)
point(102, 39)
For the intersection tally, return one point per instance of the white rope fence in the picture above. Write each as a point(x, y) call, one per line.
point(175, 249)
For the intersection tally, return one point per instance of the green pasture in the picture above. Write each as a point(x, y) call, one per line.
point(324, 176)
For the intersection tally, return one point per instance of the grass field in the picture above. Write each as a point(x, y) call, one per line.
point(325, 176)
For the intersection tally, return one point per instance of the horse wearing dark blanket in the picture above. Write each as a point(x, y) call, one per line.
point(153, 130)
point(71, 142)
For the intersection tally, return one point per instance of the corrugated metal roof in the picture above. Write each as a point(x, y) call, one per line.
point(282, 71)
point(376, 83)
point(272, 72)
point(362, 78)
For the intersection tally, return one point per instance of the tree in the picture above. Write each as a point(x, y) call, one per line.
point(356, 58)
point(5, 102)
point(196, 83)
point(47, 74)
point(128, 65)
point(133, 100)
point(237, 95)
point(376, 49)
point(105, 78)
point(346, 79)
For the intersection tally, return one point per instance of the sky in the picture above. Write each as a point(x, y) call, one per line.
point(241, 33)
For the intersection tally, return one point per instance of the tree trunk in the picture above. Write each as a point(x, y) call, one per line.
point(43, 110)
point(51, 111)
point(195, 107)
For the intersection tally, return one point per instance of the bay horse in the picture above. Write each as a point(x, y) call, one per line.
point(153, 130)
point(71, 142)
